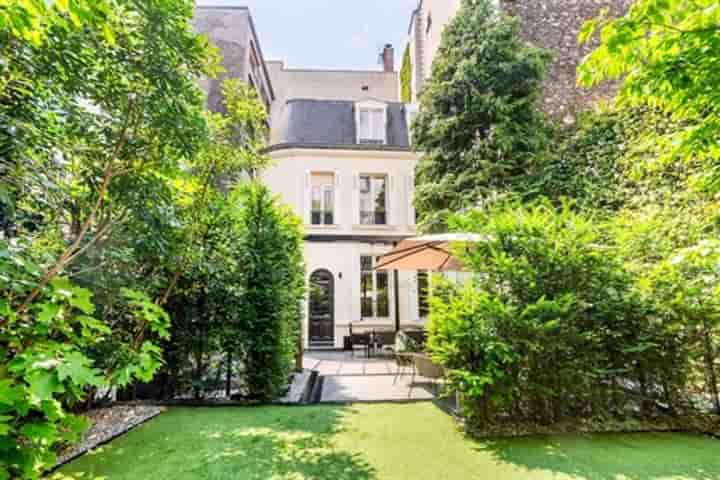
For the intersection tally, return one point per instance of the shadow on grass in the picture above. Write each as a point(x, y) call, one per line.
point(611, 456)
point(248, 443)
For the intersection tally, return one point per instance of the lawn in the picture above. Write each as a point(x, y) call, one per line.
point(383, 442)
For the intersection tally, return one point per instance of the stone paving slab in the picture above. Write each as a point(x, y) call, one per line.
point(343, 389)
point(355, 378)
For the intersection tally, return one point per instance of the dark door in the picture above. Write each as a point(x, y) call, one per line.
point(322, 321)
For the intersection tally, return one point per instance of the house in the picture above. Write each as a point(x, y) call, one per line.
point(232, 30)
point(341, 158)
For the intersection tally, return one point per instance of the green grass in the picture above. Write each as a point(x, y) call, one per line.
point(381, 442)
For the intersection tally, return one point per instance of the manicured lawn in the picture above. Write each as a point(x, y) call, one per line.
point(382, 442)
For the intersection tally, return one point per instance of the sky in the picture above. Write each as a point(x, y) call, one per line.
point(342, 34)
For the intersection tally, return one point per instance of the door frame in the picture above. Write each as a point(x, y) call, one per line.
point(331, 294)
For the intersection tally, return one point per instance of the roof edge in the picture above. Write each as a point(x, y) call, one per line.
point(325, 146)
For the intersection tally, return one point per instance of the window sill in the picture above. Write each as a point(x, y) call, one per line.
point(309, 226)
point(374, 227)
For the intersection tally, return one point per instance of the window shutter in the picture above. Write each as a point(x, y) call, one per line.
point(307, 200)
point(356, 200)
point(338, 206)
point(413, 297)
point(410, 198)
point(389, 199)
point(355, 286)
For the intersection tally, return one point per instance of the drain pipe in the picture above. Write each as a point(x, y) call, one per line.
point(396, 286)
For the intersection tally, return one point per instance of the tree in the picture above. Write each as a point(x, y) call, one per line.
point(273, 284)
point(663, 52)
point(99, 108)
point(479, 130)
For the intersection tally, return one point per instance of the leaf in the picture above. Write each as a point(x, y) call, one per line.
point(48, 312)
point(82, 300)
point(9, 393)
point(43, 385)
point(44, 433)
point(77, 367)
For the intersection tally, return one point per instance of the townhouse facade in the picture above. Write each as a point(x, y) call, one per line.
point(340, 144)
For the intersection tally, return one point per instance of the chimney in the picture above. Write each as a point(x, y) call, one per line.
point(388, 58)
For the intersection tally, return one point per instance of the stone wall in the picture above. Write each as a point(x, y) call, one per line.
point(554, 25)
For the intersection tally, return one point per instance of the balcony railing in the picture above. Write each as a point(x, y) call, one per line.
point(373, 218)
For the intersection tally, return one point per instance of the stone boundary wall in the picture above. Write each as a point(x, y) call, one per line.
point(555, 25)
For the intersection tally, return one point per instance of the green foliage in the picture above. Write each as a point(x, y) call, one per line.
point(45, 362)
point(273, 285)
point(479, 129)
point(406, 92)
point(551, 326)
point(663, 50)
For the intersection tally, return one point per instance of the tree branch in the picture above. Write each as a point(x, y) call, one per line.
point(71, 252)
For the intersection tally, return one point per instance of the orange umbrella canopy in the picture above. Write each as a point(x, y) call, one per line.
point(430, 252)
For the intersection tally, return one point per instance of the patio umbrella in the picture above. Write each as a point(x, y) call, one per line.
point(428, 252)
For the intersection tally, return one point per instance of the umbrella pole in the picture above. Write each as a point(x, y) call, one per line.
point(397, 301)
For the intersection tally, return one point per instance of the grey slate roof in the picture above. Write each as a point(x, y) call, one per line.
point(331, 123)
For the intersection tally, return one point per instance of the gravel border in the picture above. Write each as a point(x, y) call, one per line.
point(108, 424)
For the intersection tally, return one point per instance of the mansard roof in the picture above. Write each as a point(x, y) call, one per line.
point(306, 123)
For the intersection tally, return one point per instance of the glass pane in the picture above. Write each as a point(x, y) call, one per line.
point(383, 294)
point(316, 217)
point(316, 199)
point(366, 263)
point(364, 184)
point(329, 200)
point(423, 292)
point(379, 187)
point(378, 127)
point(366, 294)
point(364, 127)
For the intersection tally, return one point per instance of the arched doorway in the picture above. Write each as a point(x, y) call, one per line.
point(322, 309)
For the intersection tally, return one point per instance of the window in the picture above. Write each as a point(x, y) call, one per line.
point(423, 286)
point(371, 126)
point(373, 199)
point(322, 198)
point(374, 290)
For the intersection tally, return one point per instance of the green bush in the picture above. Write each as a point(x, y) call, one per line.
point(273, 286)
point(46, 369)
point(551, 325)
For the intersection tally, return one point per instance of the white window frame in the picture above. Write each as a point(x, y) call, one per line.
point(388, 189)
point(374, 290)
point(335, 187)
point(372, 106)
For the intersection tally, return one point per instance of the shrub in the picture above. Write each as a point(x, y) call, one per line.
point(551, 326)
point(273, 283)
point(45, 368)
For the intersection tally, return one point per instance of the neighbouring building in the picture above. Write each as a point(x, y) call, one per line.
point(232, 30)
point(550, 24)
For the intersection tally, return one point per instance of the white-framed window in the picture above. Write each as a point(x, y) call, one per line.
point(371, 125)
point(373, 192)
point(322, 198)
point(423, 293)
point(374, 289)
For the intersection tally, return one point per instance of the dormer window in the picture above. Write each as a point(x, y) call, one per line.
point(371, 123)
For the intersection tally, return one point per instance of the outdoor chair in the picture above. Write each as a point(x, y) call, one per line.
point(384, 341)
point(403, 361)
point(425, 367)
point(362, 340)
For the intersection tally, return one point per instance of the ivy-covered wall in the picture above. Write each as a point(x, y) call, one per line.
point(555, 25)
point(406, 93)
